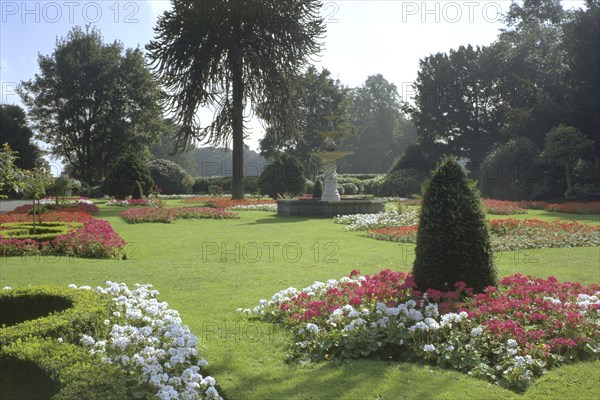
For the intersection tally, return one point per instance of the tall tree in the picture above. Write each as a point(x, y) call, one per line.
point(382, 133)
point(582, 44)
point(93, 102)
point(18, 135)
point(229, 55)
point(456, 104)
point(321, 97)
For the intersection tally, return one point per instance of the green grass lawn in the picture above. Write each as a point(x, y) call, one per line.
point(206, 269)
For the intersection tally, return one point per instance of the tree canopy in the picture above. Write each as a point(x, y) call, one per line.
point(18, 135)
point(230, 56)
point(92, 102)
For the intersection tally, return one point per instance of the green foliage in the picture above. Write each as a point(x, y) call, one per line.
point(318, 189)
point(453, 242)
point(12, 178)
point(125, 171)
point(511, 171)
point(41, 232)
point(284, 174)
point(170, 177)
point(61, 313)
point(19, 136)
point(93, 102)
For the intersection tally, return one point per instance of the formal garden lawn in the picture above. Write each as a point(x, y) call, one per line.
point(206, 269)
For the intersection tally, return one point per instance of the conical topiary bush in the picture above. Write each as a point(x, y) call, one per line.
point(453, 242)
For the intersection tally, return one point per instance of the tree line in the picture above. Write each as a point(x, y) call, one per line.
point(523, 109)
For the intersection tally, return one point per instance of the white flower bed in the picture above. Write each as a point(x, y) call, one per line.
point(255, 207)
point(148, 339)
point(364, 222)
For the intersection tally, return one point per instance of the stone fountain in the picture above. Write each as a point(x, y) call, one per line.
point(330, 204)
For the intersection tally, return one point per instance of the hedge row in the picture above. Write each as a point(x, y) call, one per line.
point(40, 328)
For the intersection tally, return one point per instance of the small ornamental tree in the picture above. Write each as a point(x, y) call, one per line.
point(453, 242)
point(283, 175)
point(566, 145)
point(122, 176)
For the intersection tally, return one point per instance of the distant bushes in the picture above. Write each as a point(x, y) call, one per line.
point(170, 177)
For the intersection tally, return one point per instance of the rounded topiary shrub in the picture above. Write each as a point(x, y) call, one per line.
point(170, 177)
point(453, 242)
point(120, 181)
point(283, 175)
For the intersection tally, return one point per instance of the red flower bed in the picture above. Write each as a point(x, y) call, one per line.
point(502, 207)
point(575, 208)
point(167, 215)
point(542, 315)
point(513, 234)
point(52, 216)
point(95, 239)
point(67, 208)
point(532, 205)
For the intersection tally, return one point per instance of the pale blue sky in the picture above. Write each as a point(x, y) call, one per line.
point(363, 37)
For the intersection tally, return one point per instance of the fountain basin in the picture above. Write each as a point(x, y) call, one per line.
point(321, 208)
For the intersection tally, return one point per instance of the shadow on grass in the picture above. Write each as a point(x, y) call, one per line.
point(357, 379)
point(277, 220)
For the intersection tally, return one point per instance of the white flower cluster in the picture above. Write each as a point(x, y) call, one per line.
point(176, 196)
point(584, 301)
point(118, 203)
point(364, 222)
point(148, 338)
point(255, 207)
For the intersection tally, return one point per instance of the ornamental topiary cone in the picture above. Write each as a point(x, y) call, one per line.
point(453, 242)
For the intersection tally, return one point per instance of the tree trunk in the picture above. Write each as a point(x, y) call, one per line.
point(568, 176)
point(237, 126)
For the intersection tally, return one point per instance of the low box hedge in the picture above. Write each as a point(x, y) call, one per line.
point(51, 312)
point(44, 231)
point(47, 369)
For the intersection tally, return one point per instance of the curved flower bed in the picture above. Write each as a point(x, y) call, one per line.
point(168, 215)
point(255, 207)
point(508, 335)
point(363, 222)
point(95, 239)
point(512, 234)
point(147, 339)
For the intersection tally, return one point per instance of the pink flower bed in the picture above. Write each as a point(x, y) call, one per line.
point(508, 335)
point(168, 215)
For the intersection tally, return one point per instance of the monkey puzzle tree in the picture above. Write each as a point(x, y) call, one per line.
point(229, 55)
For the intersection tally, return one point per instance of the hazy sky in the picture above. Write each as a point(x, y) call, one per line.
point(363, 37)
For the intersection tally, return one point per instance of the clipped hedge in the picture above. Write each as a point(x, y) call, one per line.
point(44, 231)
point(59, 313)
point(47, 369)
